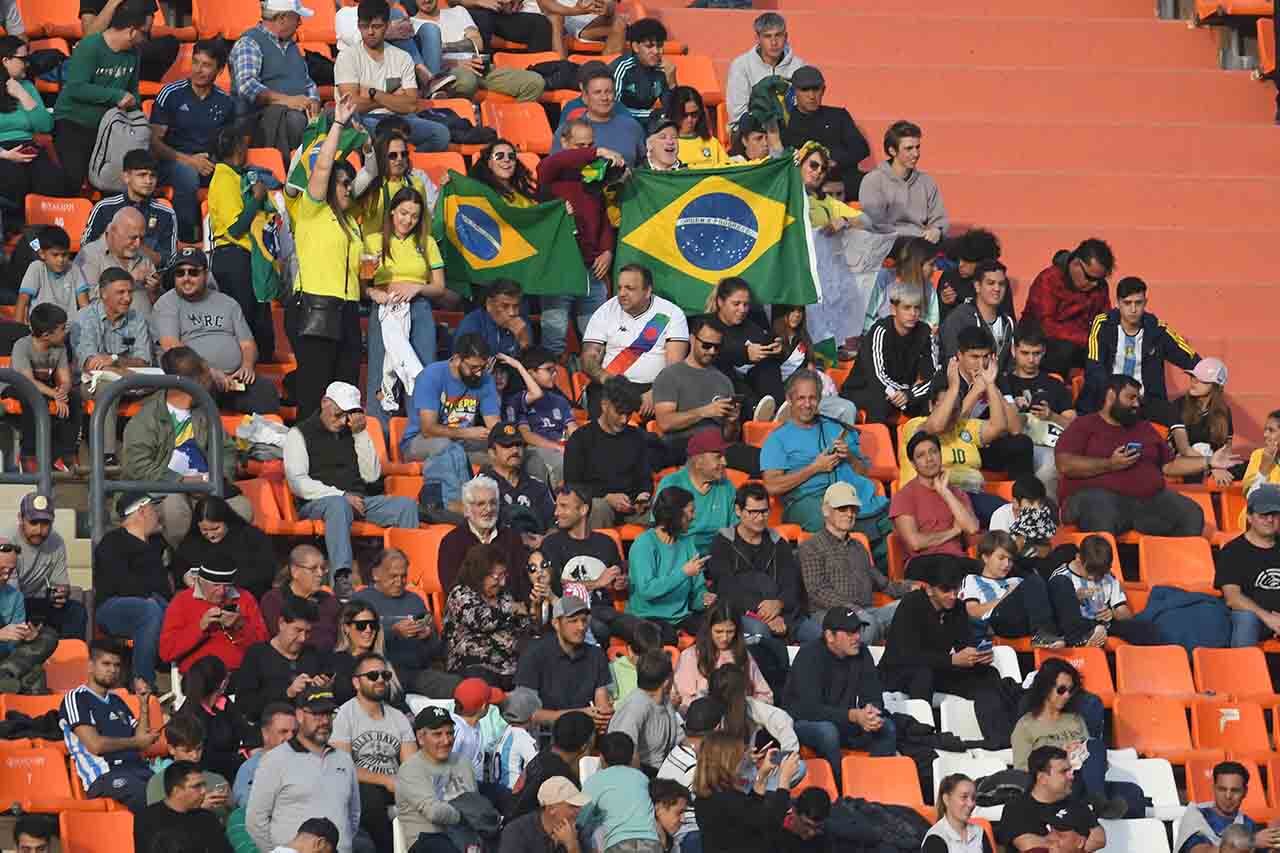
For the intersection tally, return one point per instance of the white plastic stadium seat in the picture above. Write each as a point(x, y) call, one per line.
point(397, 836)
point(1005, 660)
point(1155, 777)
point(973, 765)
point(959, 717)
point(1129, 836)
point(898, 703)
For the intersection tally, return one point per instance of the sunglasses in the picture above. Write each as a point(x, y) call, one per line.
point(187, 272)
point(397, 155)
point(10, 548)
point(1064, 689)
point(706, 344)
point(545, 565)
point(503, 155)
point(1084, 270)
point(364, 624)
point(694, 113)
point(376, 675)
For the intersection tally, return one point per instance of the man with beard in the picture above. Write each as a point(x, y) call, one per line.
point(379, 739)
point(1113, 468)
point(480, 500)
point(43, 577)
point(305, 776)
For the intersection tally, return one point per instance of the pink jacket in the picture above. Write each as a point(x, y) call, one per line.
point(689, 684)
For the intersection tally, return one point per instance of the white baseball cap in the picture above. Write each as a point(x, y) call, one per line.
point(275, 7)
point(1210, 369)
point(559, 789)
point(346, 395)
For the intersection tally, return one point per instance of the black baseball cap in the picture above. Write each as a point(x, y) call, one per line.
point(505, 434)
point(807, 77)
point(432, 717)
point(317, 699)
point(705, 715)
point(843, 619)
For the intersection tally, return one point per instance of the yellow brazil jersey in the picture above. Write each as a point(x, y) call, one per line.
point(225, 206)
point(961, 454)
point(405, 260)
point(369, 207)
point(823, 210)
point(695, 151)
point(328, 256)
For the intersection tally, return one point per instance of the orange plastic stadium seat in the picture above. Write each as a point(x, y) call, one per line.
point(1091, 663)
point(37, 780)
point(755, 432)
point(897, 556)
point(267, 513)
point(1237, 728)
point(410, 469)
point(87, 832)
point(886, 780)
point(1238, 673)
point(877, 448)
point(1182, 561)
point(422, 547)
point(1075, 537)
point(1200, 787)
point(320, 26)
point(817, 775)
point(69, 214)
point(68, 666)
point(523, 125)
point(1273, 776)
point(1156, 726)
point(51, 18)
point(405, 487)
point(1154, 671)
point(268, 159)
point(696, 70)
point(1266, 45)
point(438, 163)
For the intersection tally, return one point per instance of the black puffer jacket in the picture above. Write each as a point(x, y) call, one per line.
point(744, 582)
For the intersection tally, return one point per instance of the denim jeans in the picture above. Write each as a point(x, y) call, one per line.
point(1247, 629)
point(878, 618)
point(139, 619)
point(185, 181)
point(555, 313)
point(422, 336)
point(424, 48)
point(424, 134)
point(1024, 611)
point(337, 514)
point(827, 739)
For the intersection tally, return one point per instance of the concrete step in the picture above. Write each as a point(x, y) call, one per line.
point(986, 8)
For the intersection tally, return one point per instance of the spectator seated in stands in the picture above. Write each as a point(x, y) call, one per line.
point(896, 363)
point(498, 166)
point(513, 22)
point(956, 800)
point(1090, 602)
point(542, 417)
point(43, 578)
point(104, 740)
point(634, 335)
point(222, 729)
point(568, 673)
point(360, 633)
point(1205, 825)
point(1057, 707)
point(181, 815)
point(279, 724)
point(696, 145)
point(614, 129)
point(25, 641)
point(25, 166)
point(43, 358)
point(896, 196)
point(524, 502)
point(184, 735)
point(46, 278)
point(1113, 468)
point(141, 179)
point(381, 81)
point(668, 585)
point(770, 56)
point(34, 833)
point(1206, 418)
point(318, 834)
point(572, 737)
point(832, 127)
point(703, 477)
point(609, 461)
point(958, 284)
point(454, 31)
point(428, 778)
point(120, 248)
point(218, 534)
point(662, 145)
point(834, 693)
point(756, 141)
point(156, 53)
point(1042, 401)
point(811, 451)
point(131, 587)
point(186, 118)
point(168, 440)
point(930, 515)
point(284, 667)
point(516, 746)
point(481, 499)
point(702, 717)
point(213, 325)
point(984, 310)
point(1002, 604)
point(102, 73)
point(1243, 569)
point(839, 573)
point(409, 631)
point(304, 776)
point(473, 740)
point(304, 583)
point(1131, 341)
point(749, 356)
point(721, 640)
point(754, 569)
point(619, 805)
point(1262, 468)
point(484, 624)
point(330, 462)
point(270, 80)
point(648, 715)
point(913, 265)
point(379, 739)
point(1064, 299)
point(212, 617)
point(642, 78)
point(693, 394)
point(1043, 817)
point(550, 823)
point(729, 817)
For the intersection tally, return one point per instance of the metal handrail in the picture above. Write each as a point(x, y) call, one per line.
point(99, 485)
point(33, 401)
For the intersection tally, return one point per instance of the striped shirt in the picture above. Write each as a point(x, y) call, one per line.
point(110, 717)
point(515, 749)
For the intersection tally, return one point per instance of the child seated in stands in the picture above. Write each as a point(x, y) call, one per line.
point(645, 637)
point(473, 739)
point(184, 733)
point(46, 279)
point(1031, 518)
point(42, 357)
point(543, 414)
point(516, 747)
point(1000, 604)
point(1089, 602)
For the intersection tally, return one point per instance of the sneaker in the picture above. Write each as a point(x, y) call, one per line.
point(61, 466)
point(439, 83)
point(1045, 640)
point(343, 588)
point(765, 409)
point(110, 460)
point(1108, 809)
point(784, 412)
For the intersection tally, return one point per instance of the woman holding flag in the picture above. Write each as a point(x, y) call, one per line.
point(500, 168)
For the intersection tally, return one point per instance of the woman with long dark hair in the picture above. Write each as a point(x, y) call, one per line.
point(1207, 417)
point(484, 626)
point(24, 166)
point(668, 586)
point(912, 266)
point(750, 356)
point(384, 175)
point(745, 714)
point(698, 145)
point(225, 730)
point(720, 641)
point(500, 168)
point(217, 531)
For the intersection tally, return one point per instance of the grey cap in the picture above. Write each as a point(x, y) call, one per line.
point(520, 705)
point(1265, 499)
point(568, 605)
point(807, 77)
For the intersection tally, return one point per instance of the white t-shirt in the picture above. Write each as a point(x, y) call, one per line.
point(453, 22)
point(393, 73)
point(1002, 519)
point(1094, 596)
point(375, 744)
point(635, 347)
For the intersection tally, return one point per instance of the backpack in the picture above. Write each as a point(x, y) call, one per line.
point(858, 824)
point(119, 132)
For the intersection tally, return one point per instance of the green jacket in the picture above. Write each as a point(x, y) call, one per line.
point(148, 443)
point(96, 78)
point(238, 834)
point(20, 125)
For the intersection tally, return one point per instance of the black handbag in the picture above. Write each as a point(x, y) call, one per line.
point(319, 316)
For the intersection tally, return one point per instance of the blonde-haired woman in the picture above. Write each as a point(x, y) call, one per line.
point(732, 820)
point(954, 833)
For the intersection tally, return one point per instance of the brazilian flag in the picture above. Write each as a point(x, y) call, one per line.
point(694, 227)
point(483, 238)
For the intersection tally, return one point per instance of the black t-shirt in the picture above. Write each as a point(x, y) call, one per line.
point(1255, 570)
point(1043, 387)
point(559, 548)
point(199, 829)
point(1028, 816)
point(129, 567)
point(1198, 432)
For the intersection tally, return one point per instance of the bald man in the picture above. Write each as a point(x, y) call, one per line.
point(120, 246)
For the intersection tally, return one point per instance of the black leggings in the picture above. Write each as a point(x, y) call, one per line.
point(233, 269)
point(321, 361)
point(531, 29)
point(41, 176)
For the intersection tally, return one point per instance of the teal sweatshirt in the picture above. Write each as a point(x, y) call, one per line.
point(620, 802)
point(20, 125)
point(713, 511)
point(659, 589)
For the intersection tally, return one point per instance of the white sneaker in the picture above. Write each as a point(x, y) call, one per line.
point(765, 409)
point(784, 412)
point(439, 83)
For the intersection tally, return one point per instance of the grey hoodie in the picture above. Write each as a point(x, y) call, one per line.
point(898, 206)
point(749, 69)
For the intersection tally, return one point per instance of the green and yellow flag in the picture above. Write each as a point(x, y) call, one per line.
point(483, 238)
point(694, 227)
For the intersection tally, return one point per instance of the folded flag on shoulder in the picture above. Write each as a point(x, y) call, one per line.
point(694, 227)
point(482, 238)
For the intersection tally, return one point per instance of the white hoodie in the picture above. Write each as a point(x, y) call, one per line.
point(749, 69)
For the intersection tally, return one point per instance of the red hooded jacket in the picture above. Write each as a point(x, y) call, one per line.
point(561, 175)
point(1064, 312)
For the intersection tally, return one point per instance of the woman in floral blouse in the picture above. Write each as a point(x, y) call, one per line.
point(484, 626)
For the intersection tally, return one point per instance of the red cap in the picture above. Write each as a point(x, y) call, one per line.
point(706, 441)
point(471, 693)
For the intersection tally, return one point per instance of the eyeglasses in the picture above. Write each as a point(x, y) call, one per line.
point(1064, 689)
point(850, 508)
point(503, 155)
point(708, 345)
point(187, 272)
point(753, 511)
point(363, 625)
point(397, 155)
point(315, 570)
point(376, 675)
point(19, 57)
point(10, 548)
